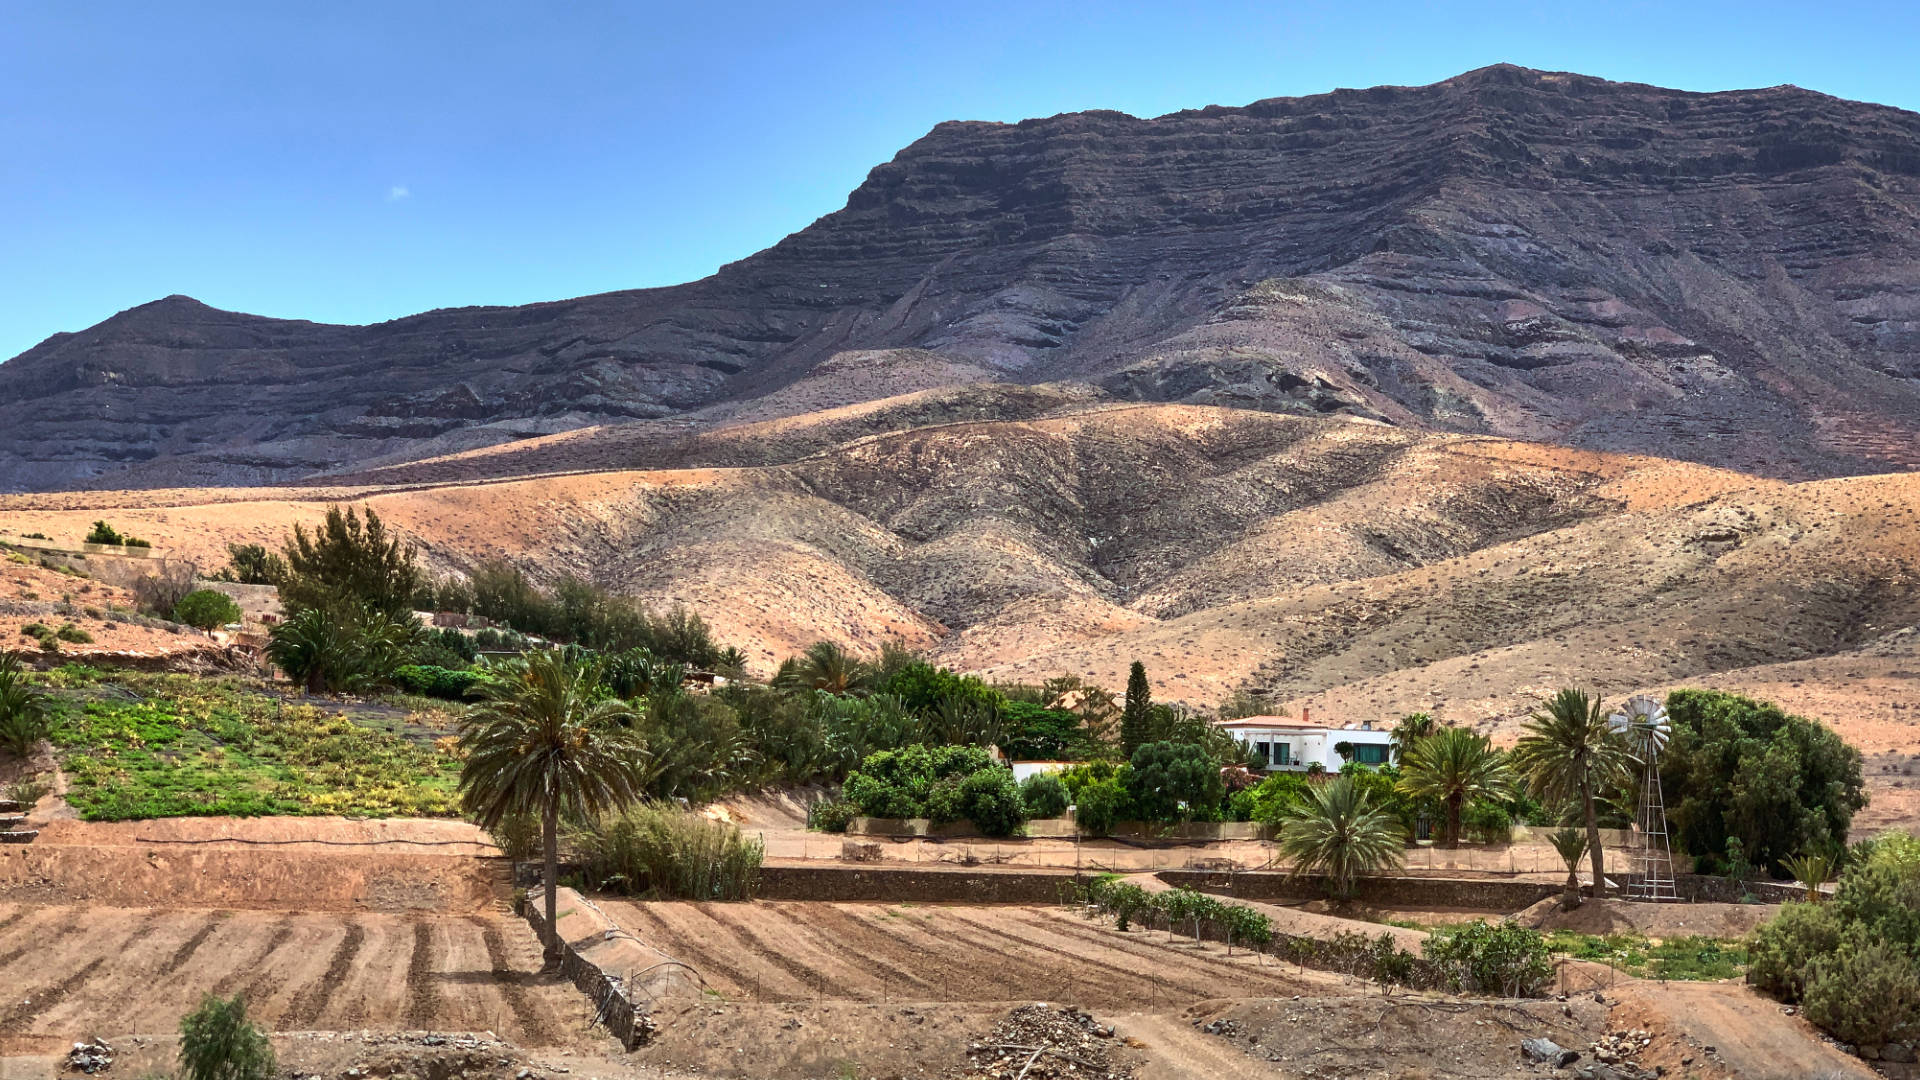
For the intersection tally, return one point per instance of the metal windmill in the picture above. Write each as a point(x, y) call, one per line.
point(1643, 721)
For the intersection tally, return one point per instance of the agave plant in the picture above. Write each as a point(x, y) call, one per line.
point(1337, 831)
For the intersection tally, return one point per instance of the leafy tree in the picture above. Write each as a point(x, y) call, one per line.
point(103, 533)
point(1344, 749)
point(1736, 767)
point(1136, 719)
point(1101, 804)
point(1338, 831)
point(350, 561)
point(899, 783)
point(1508, 959)
point(923, 688)
point(253, 564)
point(1412, 728)
point(1044, 796)
point(218, 1042)
point(1567, 755)
point(545, 741)
point(1037, 733)
point(206, 609)
point(1174, 782)
point(1455, 766)
point(23, 708)
point(1275, 795)
point(991, 800)
point(1571, 845)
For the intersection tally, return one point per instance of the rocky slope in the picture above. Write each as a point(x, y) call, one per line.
point(1724, 278)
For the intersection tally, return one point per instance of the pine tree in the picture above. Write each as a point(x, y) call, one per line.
point(1136, 722)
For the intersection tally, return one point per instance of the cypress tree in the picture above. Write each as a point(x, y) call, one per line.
point(1136, 722)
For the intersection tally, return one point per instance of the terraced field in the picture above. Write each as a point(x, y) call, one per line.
point(804, 951)
point(81, 970)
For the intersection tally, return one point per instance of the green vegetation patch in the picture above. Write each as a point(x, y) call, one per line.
point(140, 746)
point(1691, 958)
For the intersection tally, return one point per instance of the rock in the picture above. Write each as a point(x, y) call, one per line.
point(1548, 1051)
point(1897, 1052)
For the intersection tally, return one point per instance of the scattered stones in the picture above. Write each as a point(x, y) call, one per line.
point(1547, 1051)
point(1040, 1042)
point(90, 1057)
point(1222, 1026)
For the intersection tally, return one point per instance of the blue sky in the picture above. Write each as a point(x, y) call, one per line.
point(373, 160)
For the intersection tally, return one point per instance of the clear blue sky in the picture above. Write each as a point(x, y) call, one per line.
point(353, 162)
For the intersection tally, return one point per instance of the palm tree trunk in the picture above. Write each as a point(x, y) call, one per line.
point(1453, 820)
point(1593, 839)
point(550, 836)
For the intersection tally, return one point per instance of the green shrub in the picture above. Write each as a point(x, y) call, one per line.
point(1505, 959)
point(991, 800)
point(832, 815)
point(668, 853)
point(1043, 795)
point(1487, 822)
point(517, 836)
point(436, 682)
point(1174, 782)
point(1868, 992)
point(71, 633)
point(900, 783)
point(217, 1042)
point(205, 609)
point(1102, 804)
point(1271, 798)
point(103, 533)
point(24, 719)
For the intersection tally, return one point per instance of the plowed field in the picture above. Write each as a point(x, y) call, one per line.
point(813, 951)
point(78, 971)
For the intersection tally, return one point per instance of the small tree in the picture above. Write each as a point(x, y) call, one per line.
point(1455, 766)
point(253, 564)
point(350, 561)
point(1412, 728)
point(1337, 831)
point(103, 533)
point(1174, 781)
point(1136, 719)
point(1571, 845)
point(1568, 755)
point(218, 1042)
point(206, 609)
point(1812, 869)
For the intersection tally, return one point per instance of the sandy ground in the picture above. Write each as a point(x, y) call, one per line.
point(1650, 920)
point(35, 594)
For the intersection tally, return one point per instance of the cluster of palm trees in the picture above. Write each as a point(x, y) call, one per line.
point(1567, 757)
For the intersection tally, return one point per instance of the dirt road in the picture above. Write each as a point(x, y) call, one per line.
point(1748, 1032)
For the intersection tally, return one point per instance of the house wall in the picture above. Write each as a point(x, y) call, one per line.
point(1311, 747)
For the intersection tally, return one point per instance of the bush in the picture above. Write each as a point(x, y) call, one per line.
point(159, 591)
point(900, 783)
point(991, 800)
point(1101, 805)
point(71, 633)
point(205, 609)
point(217, 1042)
point(517, 836)
point(103, 533)
point(665, 853)
point(832, 815)
point(23, 708)
point(1487, 822)
point(1868, 992)
point(1271, 798)
point(253, 564)
point(435, 682)
point(1505, 959)
point(1043, 795)
point(1174, 782)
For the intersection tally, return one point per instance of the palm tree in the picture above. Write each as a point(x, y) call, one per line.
point(542, 740)
point(1410, 730)
point(1571, 843)
point(1568, 754)
point(827, 666)
point(23, 708)
point(1455, 766)
point(1812, 869)
point(1337, 831)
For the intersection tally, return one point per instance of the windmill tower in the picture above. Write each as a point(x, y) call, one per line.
point(1644, 723)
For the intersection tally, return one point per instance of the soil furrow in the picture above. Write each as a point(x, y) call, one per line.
point(1208, 970)
point(40, 939)
point(819, 985)
point(313, 999)
point(511, 983)
point(843, 932)
point(423, 990)
point(256, 967)
point(1014, 978)
point(664, 937)
point(43, 1001)
point(192, 945)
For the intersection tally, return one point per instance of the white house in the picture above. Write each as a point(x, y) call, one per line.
point(1286, 744)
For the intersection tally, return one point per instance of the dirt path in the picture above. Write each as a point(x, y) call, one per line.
point(1176, 1050)
point(1748, 1032)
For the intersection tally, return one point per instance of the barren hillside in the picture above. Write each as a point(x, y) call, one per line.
point(1723, 278)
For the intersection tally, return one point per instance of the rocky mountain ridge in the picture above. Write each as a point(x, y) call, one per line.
point(1728, 278)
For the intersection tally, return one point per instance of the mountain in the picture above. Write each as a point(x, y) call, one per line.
point(1728, 278)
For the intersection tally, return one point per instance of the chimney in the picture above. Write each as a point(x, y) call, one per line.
point(1305, 714)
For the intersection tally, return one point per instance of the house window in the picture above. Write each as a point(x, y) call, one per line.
point(1265, 752)
point(1370, 754)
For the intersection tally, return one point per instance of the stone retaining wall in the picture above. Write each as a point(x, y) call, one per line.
point(1495, 894)
point(884, 884)
point(613, 1007)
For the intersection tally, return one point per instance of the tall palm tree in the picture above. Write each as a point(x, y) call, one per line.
point(1571, 844)
point(1412, 728)
point(1338, 832)
point(1568, 755)
point(544, 740)
point(1455, 766)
